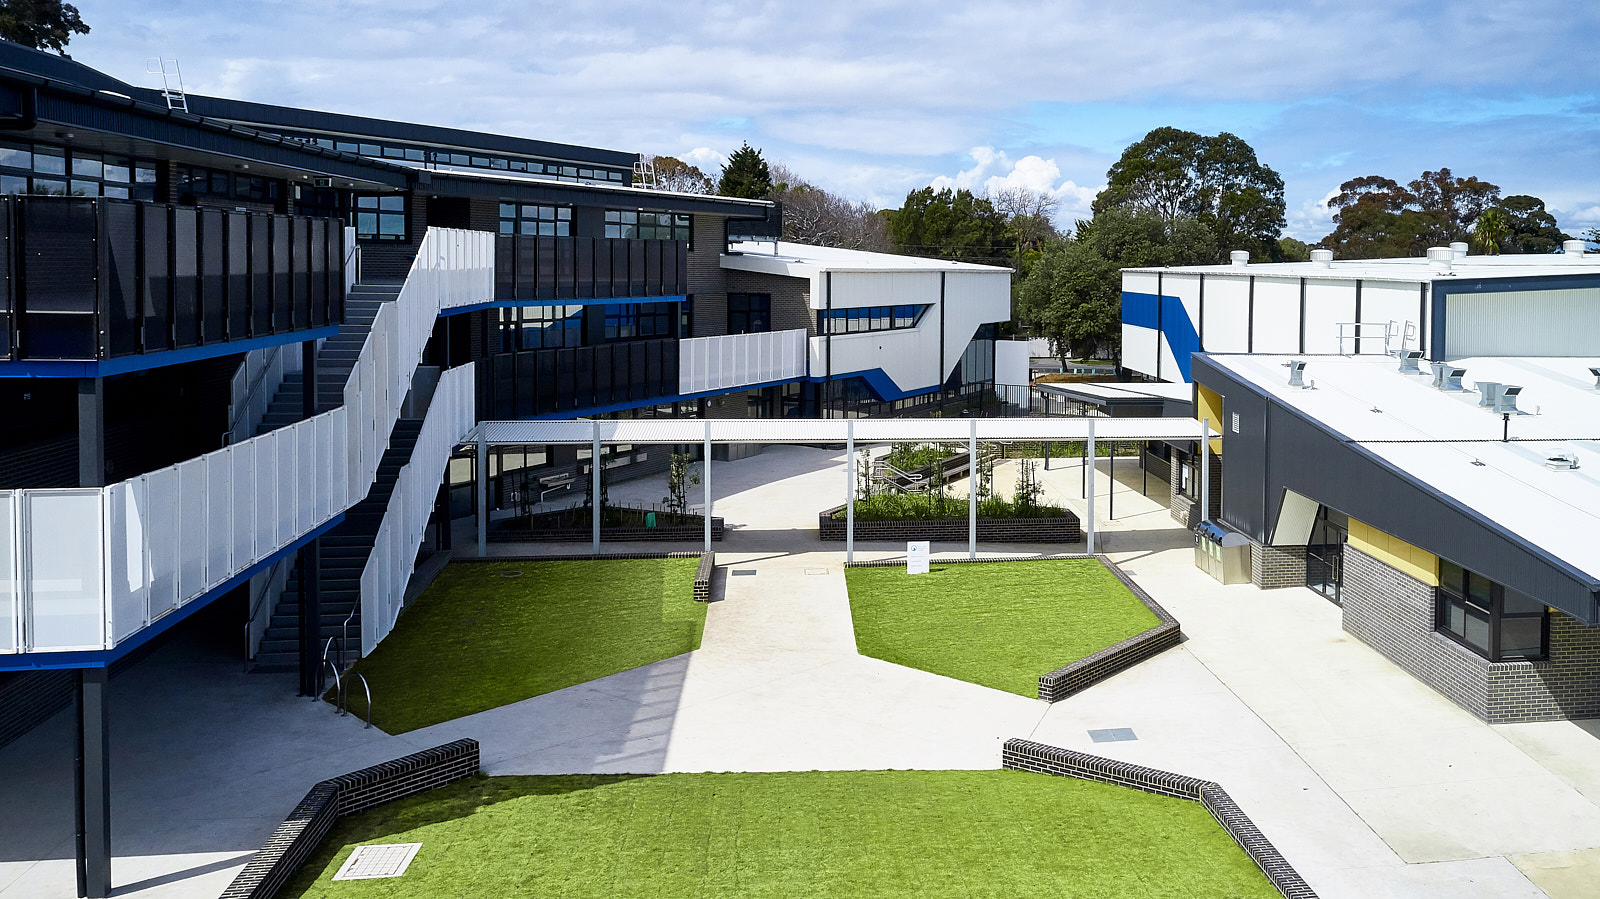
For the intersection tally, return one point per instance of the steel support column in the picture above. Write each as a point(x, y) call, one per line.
point(597, 507)
point(706, 482)
point(93, 784)
point(850, 490)
point(1088, 447)
point(311, 618)
point(1205, 469)
point(972, 491)
point(91, 432)
point(481, 475)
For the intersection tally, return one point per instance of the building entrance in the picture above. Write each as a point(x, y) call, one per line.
point(1325, 553)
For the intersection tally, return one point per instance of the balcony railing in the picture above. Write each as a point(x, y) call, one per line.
point(91, 279)
point(738, 360)
point(588, 268)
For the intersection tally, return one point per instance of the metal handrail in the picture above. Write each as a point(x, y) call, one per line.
point(344, 630)
point(273, 355)
point(250, 617)
point(366, 688)
point(338, 686)
point(325, 651)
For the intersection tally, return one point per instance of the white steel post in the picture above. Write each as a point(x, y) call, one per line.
point(972, 491)
point(1205, 469)
point(596, 505)
point(850, 490)
point(1089, 489)
point(706, 480)
point(483, 496)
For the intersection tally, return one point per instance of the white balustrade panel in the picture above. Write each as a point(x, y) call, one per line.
point(64, 584)
point(730, 361)
point(451, 414)
point(10, 596)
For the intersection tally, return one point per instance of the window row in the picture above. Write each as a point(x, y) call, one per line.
point(1499, 623)
point(869, 318)
point(192, 181)
point(425, 155)
point(380, 217)
point(55, 171)
point(646, 225)
point(625, 321)
point(749, 313)
point(548, 221)
point(540, 328)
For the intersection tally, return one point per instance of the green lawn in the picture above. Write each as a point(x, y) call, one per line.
point(477, 639)
point(847, 834)
point(1000, 624)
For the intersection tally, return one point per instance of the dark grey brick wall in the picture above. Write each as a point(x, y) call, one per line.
point(1273, 567)
point(1186, 511)
point(990, 530)
point(791, 298)
point(707, 280)
point(1026, 755)
point(1393, 613)
point(1094, 668)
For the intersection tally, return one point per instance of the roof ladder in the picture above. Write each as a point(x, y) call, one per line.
point(644, 173)
point(171, 81)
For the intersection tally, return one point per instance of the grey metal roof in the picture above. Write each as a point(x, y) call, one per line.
point(865, 430)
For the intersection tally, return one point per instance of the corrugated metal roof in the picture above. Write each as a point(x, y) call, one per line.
point(866, 430)
point(1410, 270)
point(804, 260)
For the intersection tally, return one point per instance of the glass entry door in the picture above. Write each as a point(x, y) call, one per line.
point(1325, 552)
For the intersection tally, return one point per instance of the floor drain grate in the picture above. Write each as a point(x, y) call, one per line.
point(372, 862)
point(743, 572)
point(511, 573)
point(1112, 735)
point(816, 571)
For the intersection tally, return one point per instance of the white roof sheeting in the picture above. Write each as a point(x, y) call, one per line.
point(1447, 442)
point(797, 260)
point(1411, 269)
point(1118, 390)
point(866, 430)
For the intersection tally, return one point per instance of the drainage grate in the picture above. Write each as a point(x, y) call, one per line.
point(511, 572)
point(372, 862)
point(1112, 735)
point(743, 572)
point(816, 571)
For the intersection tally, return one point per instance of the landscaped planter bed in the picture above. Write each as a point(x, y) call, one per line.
point(555, 527)
point(1062, 529)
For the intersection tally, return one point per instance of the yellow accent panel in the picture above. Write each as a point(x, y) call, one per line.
point(1209, 406)
point(1419, 563)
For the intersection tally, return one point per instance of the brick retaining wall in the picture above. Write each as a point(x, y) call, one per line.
point(300, 833)
point(1026, 755)
point(570, 535)
point(990, 530)
point(1094, 668)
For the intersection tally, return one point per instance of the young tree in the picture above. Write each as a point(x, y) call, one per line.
point(1490, 231)
point(948, 224)
point(40, 24)
point(745, 175)
point(821, 218)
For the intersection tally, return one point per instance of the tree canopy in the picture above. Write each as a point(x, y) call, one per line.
point(812, 215)
point(1533, 230)
point(948, 224)
point(1377, 217)
point(745, 175)
point(40, 24)
point(1217, 181)
point(674, 174)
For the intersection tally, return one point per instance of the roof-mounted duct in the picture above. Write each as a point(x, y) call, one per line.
point(1447, 376)
point(1439, 259)
point(1596, 373)
point(1488, 393)
point(1410, 361)
point(1458, 249)
point(1297, 369)
point(1323, 258)
point(1573, 250)
point(1239, 257)
point(1505, 401)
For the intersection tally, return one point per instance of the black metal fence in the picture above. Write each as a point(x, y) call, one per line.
point(587, 268)
point(88, 279)
point(544, 382)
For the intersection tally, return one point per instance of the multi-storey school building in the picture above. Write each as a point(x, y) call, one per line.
point(239, 344)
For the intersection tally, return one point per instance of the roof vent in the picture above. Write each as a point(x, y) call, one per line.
point(1239, 257)
point(1488, 392)
point(1409, 361)
point(1439, 259)
point(1297, 368)
point(1596, 373)
point(1447, 376)
point(1562, 462)
point(1323, 258)
point(1458, 249)
point(1573, 249)
point(1505, 402)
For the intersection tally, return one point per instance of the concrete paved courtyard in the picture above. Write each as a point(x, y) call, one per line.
point(1369, 782)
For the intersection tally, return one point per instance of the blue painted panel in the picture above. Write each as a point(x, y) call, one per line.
point(1179, 333)
point(1140, 309)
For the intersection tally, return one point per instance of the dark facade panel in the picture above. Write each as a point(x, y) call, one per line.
point(238, 281)
point(119, 267)
point(184, 228)
point(213, 274)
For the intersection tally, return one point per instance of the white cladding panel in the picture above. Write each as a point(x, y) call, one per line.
point(1227, 318)
point(1139, 349)
point(1187, 289)
point(1523, 323)
point(1139, 282)
point(1011, 359)
point(1170, 371)
point(1328, 304)
point(1390, 301)
point(1277, 324)
point(853, 289)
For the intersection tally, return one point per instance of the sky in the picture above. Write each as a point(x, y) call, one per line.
point(876, 98)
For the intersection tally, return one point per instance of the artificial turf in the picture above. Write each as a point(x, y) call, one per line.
point(477, 639)
point(999, 624)
point(847, 834)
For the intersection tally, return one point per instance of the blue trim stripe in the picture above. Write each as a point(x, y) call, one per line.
point(517, 304)
point(1167, 316)
point(121, 365)
point(881, 384)
point(99, 658)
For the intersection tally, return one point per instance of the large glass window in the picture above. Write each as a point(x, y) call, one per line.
point(540, 327)
point(749, 313)
point(381, 217)
point(632, 321)
point(525, 218)
point(55, 171)
point(869, 318)
point(1499, 623)
point(627, 223)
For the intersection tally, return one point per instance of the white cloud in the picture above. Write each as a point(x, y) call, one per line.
point(1312, 220)
point(993, 171)
point(706, 160)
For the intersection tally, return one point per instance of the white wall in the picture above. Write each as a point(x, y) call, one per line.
point(1523, 323)
point(1011, 359)
point(1227, 315)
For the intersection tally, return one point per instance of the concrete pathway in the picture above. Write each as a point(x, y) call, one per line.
point(1368, 781)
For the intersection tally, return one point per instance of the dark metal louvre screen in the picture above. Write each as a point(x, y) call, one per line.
point(185, 267)
point(213, 253)
point(58, 307)
point(119, 277)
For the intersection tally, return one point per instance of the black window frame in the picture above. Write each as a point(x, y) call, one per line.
point(535, 219)
point(637, 321)
point(749, 313)
point(540, 327)
point(381, 214)
point(865, 319)
point(1476, 598)
point(639, 224)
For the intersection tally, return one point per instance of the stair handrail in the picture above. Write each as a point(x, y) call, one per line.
point(250, 615)
point(338, 686)
point(326, 650)
point(366, 688)
point(344, 629)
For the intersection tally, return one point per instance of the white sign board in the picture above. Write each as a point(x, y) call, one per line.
point(917, 553)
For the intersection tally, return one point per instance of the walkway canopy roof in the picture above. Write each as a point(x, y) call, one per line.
point(862, 430)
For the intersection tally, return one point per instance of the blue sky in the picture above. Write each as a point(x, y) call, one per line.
point(873, 98)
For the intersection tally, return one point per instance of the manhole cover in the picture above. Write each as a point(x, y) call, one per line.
point(371, 862)
point(743, 572)
point(816, 571)
point(511, 572)
point(1112, 735)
